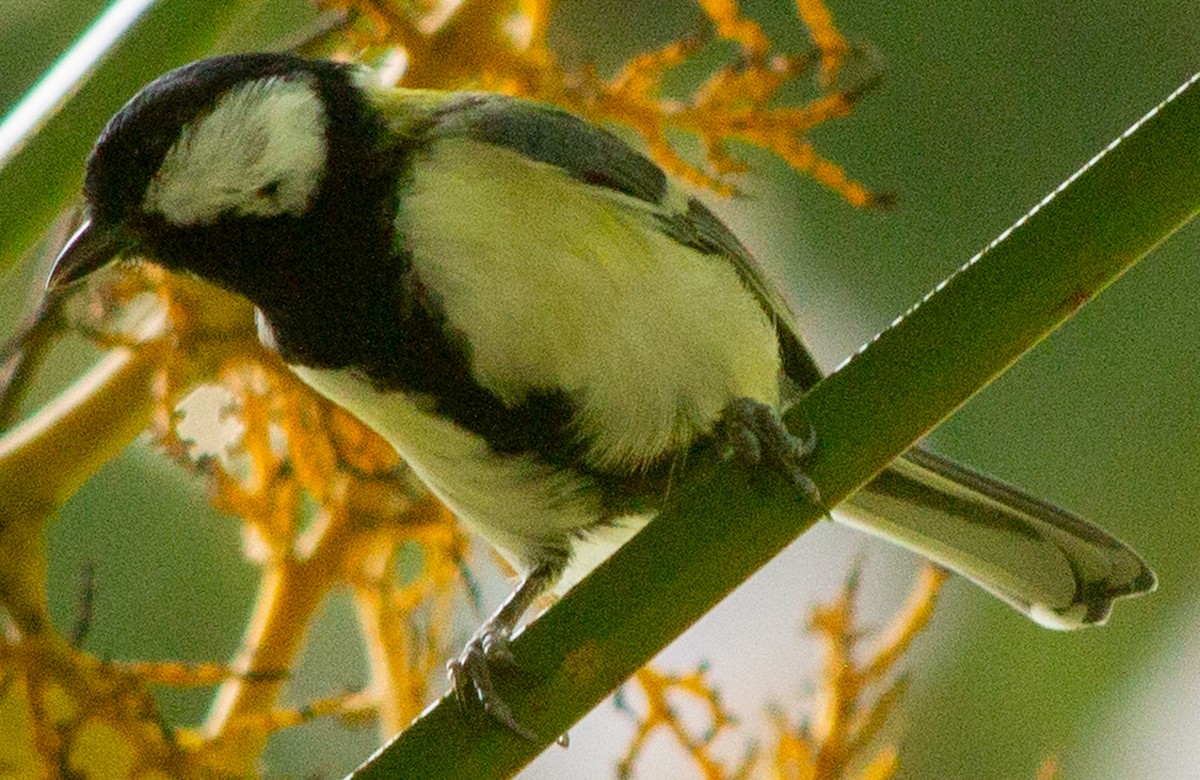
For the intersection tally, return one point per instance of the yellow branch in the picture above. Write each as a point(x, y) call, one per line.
point(45, 459)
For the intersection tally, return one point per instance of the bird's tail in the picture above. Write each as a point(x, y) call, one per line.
point(1053, 566)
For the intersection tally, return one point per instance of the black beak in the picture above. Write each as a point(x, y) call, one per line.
point(90, 249)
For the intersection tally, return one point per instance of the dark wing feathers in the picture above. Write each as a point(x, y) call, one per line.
point(553, 136)
point(595, 156)
point(699, 228)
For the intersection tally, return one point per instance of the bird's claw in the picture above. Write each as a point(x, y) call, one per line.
point(471, 679)
point(757, 437)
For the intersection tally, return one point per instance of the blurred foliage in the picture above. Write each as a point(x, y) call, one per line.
point(484, 45)
point(835, 739)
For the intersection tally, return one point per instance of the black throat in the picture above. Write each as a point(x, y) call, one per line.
point(331, 282)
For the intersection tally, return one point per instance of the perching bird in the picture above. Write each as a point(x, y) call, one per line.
point(529, 311)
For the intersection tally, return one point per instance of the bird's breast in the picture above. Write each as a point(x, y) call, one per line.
point(557, 286)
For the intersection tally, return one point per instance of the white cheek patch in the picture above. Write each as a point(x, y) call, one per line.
point(260, 152)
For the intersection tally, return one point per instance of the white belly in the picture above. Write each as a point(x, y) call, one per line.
point(512, 500)
point(518, 505)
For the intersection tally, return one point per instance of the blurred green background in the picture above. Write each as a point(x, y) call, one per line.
point(984, 108)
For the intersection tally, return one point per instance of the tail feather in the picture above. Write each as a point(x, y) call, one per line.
point(1053, 566)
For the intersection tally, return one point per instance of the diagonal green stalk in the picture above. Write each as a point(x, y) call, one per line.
point(721, 526)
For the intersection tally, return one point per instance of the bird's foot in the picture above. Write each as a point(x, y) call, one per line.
point(471, 677)
point(756, 437)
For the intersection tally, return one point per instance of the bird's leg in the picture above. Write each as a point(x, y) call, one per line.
point(471, 673)
point(756, 436)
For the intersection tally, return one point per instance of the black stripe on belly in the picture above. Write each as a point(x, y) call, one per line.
point(394, 337)
point(397, 341)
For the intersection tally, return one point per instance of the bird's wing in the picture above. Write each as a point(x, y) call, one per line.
point(595, 156)
point(1051, 565)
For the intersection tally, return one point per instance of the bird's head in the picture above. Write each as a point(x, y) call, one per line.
point(228, 168)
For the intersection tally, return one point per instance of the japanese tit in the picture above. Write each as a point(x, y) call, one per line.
point(529, 311)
